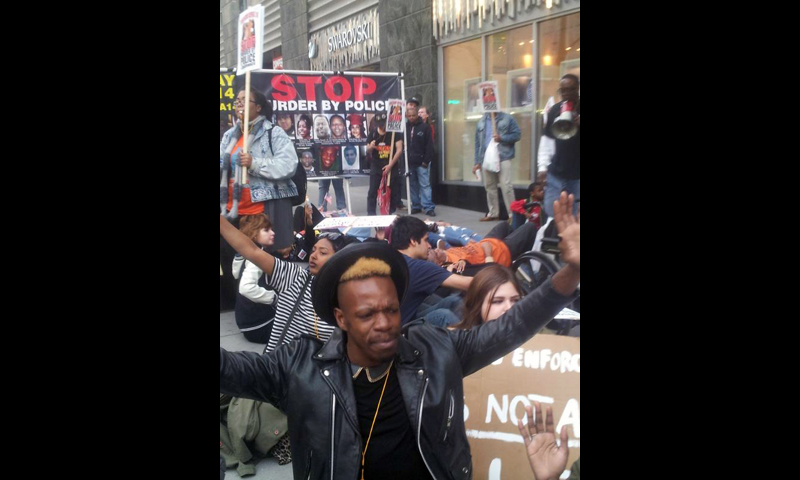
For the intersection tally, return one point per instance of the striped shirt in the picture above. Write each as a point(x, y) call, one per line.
point(288, 280)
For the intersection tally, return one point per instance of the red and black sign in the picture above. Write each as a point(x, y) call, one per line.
point(328, 117)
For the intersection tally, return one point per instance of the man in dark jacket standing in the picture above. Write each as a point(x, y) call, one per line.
point(564, 173)
point(421, 155)
point(381, 401)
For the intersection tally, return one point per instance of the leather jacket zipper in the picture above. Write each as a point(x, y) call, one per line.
point(419, 428)
point(310, 457)
point(451, 413)
point(333, 431)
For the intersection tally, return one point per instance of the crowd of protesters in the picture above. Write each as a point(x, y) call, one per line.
point(344, 305)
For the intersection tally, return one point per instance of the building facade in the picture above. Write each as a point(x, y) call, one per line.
point(444, 48)
point(527, 46)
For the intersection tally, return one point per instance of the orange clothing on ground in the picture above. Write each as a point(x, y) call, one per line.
point(246, 206)
point(474, 254)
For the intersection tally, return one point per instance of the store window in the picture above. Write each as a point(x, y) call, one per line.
point(462, 74)
point(509, 61)
point(560, 54)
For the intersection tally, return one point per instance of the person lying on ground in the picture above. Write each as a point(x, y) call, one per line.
point(499, 246)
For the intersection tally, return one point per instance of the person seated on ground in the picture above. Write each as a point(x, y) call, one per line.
point(529, 209)
point(494, 291)
point(409, 236)
point(295, 314)
point(306, 216)
point(381, 385)
point(445, 235)
point(499, 246)
point(548, 460)
point(255, 302)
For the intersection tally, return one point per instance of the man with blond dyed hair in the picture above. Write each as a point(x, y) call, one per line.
point(378, 400)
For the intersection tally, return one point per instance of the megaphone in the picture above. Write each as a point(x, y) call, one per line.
point(564, 127)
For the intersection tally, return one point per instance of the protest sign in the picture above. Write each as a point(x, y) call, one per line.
point(227, 95)
point(395, 113)
point(545, 370)
point(327, 116)
point(251, 40)
point(336, 223)
point(489, 97)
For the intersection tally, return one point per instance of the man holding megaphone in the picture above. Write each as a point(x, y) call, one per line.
point(564, 126)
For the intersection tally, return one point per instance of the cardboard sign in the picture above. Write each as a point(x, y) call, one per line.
point(489, 97)
point(544, 370)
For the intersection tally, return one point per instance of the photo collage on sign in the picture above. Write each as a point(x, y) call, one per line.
point(328, 117)
point(328, 144)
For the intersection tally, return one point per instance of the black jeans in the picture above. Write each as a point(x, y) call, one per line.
point(519, 242)
point(375, 184)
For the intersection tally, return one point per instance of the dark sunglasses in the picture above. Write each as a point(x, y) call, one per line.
point(330, 236)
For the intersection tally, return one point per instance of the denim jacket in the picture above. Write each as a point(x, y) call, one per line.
point(270, 176)
point(509, 134)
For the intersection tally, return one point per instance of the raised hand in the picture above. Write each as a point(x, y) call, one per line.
point(569, 230)
point(548, 460)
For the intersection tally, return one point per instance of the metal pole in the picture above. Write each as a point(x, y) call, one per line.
point(347, 195)
point(405, 145)
point(310, 72)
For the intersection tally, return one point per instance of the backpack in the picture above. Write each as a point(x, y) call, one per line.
point(299, 179)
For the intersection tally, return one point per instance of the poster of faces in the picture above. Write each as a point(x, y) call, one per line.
point(329, 117)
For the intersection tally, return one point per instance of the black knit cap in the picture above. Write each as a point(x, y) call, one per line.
point(325, 292)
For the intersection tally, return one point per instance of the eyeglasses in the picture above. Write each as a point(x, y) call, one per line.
point(240, 103)
point(330, 236)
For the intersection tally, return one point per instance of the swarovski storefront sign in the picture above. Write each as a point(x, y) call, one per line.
point(352, 43)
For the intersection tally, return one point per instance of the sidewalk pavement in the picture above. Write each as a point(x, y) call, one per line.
point(232, 340)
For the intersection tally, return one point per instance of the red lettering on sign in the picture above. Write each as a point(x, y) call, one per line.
point(284, 88)
point(364, 86)
point(347, 90)
point(309, 82)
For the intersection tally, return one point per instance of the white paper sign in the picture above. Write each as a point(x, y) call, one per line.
point(374, 222)
point(356, 222)
point(489, 97)
point(335, 223)
point(251, 40)
point(395, 114)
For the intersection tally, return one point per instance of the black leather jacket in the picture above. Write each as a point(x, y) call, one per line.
point(313, 384)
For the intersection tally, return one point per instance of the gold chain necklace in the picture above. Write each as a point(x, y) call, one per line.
point(369, 376)
point(364, 455)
